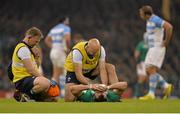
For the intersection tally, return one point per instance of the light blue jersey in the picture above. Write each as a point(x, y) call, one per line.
point(57, 34)
point(155, 31)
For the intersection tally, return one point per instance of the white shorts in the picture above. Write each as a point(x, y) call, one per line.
point(155, 56)
point(141, 69)
point(58, 57)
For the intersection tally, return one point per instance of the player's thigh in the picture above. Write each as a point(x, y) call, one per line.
point(141, 69)
point(111, 72)
point(110, 67)
point(142, 78)
point(57, 71)
point(58, 57)
point(155, 56)
point(26, 84)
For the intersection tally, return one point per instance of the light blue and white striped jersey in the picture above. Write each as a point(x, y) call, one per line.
point(57, 34)
point(155, 31)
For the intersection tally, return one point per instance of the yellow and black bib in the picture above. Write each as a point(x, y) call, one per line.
point(87, 63)
point(18, 70)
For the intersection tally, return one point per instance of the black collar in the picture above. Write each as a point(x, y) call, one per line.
point(30, 47)
point(26, 44)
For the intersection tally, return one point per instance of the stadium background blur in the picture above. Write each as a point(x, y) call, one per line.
point(115, 23)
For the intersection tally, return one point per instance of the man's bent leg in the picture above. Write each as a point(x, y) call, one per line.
point(31, 86)
point(57, 72)
point(153, 80)
point(45, 90)
point(139, 87)
point(68, 95)
point(111, 72)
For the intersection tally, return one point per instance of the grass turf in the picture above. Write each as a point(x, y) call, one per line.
point(131, 105)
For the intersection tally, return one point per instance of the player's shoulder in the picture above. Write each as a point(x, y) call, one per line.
point(23, 50)
point(64, 27)
point(56, 29)
point(61, 25)
point(155, 18)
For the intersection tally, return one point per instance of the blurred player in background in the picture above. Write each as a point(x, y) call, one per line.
point(85, 62)
point(97, 92)
point(157, 29)
point(58, 39)
point(139, 55)
point(29, 82)
point(77, 38)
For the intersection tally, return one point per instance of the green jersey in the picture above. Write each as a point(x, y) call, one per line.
point(112, 96)
point(142, 48)
point(89, 96)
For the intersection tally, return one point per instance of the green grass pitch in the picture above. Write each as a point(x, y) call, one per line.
point(128, 106)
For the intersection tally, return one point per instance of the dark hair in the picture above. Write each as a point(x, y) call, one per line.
point(101, 98)
point(147, 9)
point(62, 18)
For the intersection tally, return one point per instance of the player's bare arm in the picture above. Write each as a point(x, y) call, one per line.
point(38, 54)
point(79, 74)
point(136, 55)
point(118, 85)
point(48, 41)
point(68, 41)
point(76, 89)
point(168, 33)
point(103, 72)
point(31, 68)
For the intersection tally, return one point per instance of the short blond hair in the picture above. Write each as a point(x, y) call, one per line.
point(34, 31)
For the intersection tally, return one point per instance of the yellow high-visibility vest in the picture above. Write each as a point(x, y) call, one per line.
point(87, 63)
point(18, 69)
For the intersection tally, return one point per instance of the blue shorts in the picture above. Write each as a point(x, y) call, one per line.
point(71, 77)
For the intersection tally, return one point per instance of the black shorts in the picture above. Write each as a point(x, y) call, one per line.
point(25, 85)
point(71, 77)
